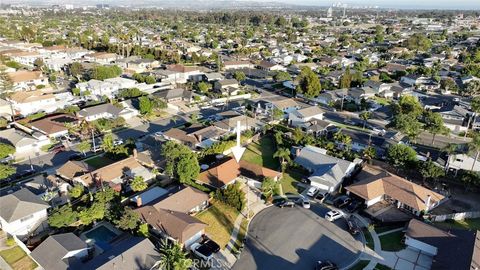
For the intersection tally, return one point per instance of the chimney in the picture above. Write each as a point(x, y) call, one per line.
point(199, 138)
point(135, 154)
point(427, 203)
point(139, 200)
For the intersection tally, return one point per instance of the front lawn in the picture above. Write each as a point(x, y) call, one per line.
point(18, 259)
point(261, 153)
point(380, 266)
point(381, 229)
point(368, 239)
point(290, 182)
point(220, 219)
point(98, 162)
point(392, 241)
point(467, 224)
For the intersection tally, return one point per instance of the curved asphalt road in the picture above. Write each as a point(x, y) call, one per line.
point(296, 238)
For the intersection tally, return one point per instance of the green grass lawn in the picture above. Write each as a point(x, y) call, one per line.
point(261, 153)
point(392, 241)
point(220, 219)
point(360, 265)
point(381, 100)
point(467, 224)
point(98, 162)
point(368, 238)
point(18, 259)
point(289, 182)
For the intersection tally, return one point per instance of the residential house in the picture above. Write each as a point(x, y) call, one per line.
point(108, 87)
point(106, 110)
point(452, 249)
point(29, 102)
point(326, 172)
point(59, 251)
point(414, 80)
point(22, 212)
point(246, 122)
point(125, 254)
point(22, 141)
point(270, 66)
point(54, 126)
point(454, 117)
point(318, 127)
point(403, 194)
point(226, 172)
point(357, 94)
point(174, 225)
point(5, 109)
point(213, 77)
point(184, 199)
point(379, 87)
point(227, 87)
point(115, 174)
point(101, 57)
point(302, 117)
point(72, 169)
point(227, 65)
point(286, 105)
point(26, 58)
point(175, 95)
point(195, 135)
point(27, 80)
point(463, 161)
point(332, 97)
point(184, 73)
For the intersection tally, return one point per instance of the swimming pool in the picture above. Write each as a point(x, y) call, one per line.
point(101, 234)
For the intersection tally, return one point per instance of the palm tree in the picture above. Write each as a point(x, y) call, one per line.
point(369, 153)
point(450, 149)
point(284, 155)
point(173, 257)
point(365, 116)
point(474, 147)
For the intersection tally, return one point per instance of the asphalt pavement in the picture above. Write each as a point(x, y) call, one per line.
point(296, 238)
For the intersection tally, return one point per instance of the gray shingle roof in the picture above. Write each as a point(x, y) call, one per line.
point(107, 107)
point(20, 204)
point(50, 254)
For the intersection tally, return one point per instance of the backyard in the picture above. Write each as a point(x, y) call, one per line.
point(18, 259)
point(467, 224)
point(261, 153)
point(220, 219)
point(98, 162)
point(290, 181)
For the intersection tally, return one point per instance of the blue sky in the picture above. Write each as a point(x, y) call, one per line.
point(410, 4)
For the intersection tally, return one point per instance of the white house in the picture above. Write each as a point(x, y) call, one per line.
point(22, 212)
point(23, 142)
point(106, 110)
point(27, 80)
point(26, 103)
point(303, 116)
point(108, 87)
point(237, 65)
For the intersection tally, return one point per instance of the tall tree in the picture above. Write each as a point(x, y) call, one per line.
point(308, 83)
point(284, 155)
point(138, 184)
point(434, 124)
point(474, 147)
point(401, 156)
point(6, 150)
point(269, 188)
point(84, 147)
point(6, 171)
point(365, 116)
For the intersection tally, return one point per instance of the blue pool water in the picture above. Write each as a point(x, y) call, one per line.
point(101, 234)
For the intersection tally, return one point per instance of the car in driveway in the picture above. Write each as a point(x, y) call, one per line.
point(353, 227)
point(202, 251)
point(333, 215)
point(353, 206)
point(342, 201)
point(325, 265)
point(57, 149)
point(76, 156)
point(311, 191)
point(305, 203)
point(212, 245)
point(286, 204)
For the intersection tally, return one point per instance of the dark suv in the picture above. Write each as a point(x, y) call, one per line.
point(342, 201)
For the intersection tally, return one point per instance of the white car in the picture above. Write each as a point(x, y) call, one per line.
point(117, 142)
point(304, 202)
point(333, 215)
point(201, 251)
point(311, 191)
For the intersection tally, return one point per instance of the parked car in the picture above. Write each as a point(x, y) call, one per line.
point(353, 226)
point(311, 191)
point(117, 142)
point(57, 148)
point(286, 204)
point(201, 251)
point(212, 245)
point(353, 206)
point(342, 201)
point(325, 265)
point(305, 203)
point(333, 215)
point(76, 156)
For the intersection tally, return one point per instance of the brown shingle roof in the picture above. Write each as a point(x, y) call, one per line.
point(54, 124)
point(397, 188)
point(112, 171)
point(24, 75)
point(30, 96)
point(181, 68)
point(73, 169)
point(183, 200)
point(229, 170)
point(177, 225)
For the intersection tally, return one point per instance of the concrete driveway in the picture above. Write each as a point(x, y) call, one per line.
point(296, 238)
